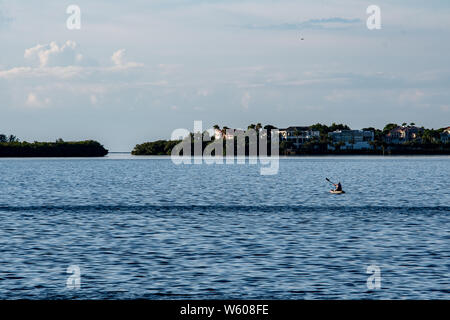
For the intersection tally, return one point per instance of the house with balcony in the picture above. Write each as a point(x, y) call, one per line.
point(402, 134)
point(298, 135)
point(351, 139)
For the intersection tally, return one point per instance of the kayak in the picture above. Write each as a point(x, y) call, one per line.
point(337, 192)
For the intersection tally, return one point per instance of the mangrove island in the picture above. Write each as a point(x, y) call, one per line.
point(10, 146)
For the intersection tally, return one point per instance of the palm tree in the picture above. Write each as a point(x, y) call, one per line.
point(12, 138)
point(224, 131)
point(297, 134)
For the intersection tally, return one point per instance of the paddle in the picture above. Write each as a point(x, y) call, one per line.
point(336, 191)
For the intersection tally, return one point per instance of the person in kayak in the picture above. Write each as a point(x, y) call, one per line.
point(338, 186)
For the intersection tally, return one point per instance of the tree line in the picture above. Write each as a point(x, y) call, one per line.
point(427, 142)
point(10, 146)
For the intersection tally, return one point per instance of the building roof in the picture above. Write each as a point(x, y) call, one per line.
point(407, 129)
point(298, 128)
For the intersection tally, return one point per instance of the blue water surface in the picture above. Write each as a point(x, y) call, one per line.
point(147, 228)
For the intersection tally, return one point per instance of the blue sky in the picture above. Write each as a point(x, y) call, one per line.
point(137, 70)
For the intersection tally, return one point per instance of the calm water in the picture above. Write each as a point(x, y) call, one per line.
point(145, 228)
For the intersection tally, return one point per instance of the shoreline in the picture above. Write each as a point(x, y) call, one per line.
point(129, 156)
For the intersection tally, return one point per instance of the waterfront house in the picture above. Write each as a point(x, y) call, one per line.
point(298, 135)
point(227, 134)
point(402, 134)
point(351, 139)
point(445, 135)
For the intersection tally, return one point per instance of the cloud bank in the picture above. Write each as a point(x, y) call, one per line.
point(63, 61)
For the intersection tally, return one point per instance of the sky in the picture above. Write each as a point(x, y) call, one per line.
point(137, 70)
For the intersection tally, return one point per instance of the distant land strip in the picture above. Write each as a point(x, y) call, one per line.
point(318, 139)
point(88, 148)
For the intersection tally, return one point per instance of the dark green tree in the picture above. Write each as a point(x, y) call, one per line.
point(389, 127)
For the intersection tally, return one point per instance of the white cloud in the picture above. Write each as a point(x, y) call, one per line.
point(60, 61)
point(64, 62)
point(118, 58)
point(29, 72)
point(34, 102)
point(93, 99)
point(54, 55)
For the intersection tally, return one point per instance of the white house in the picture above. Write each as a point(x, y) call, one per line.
point(445, 135)
point(298, 135)
point(352, 139)
point(402, 134)
point(229, 134)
